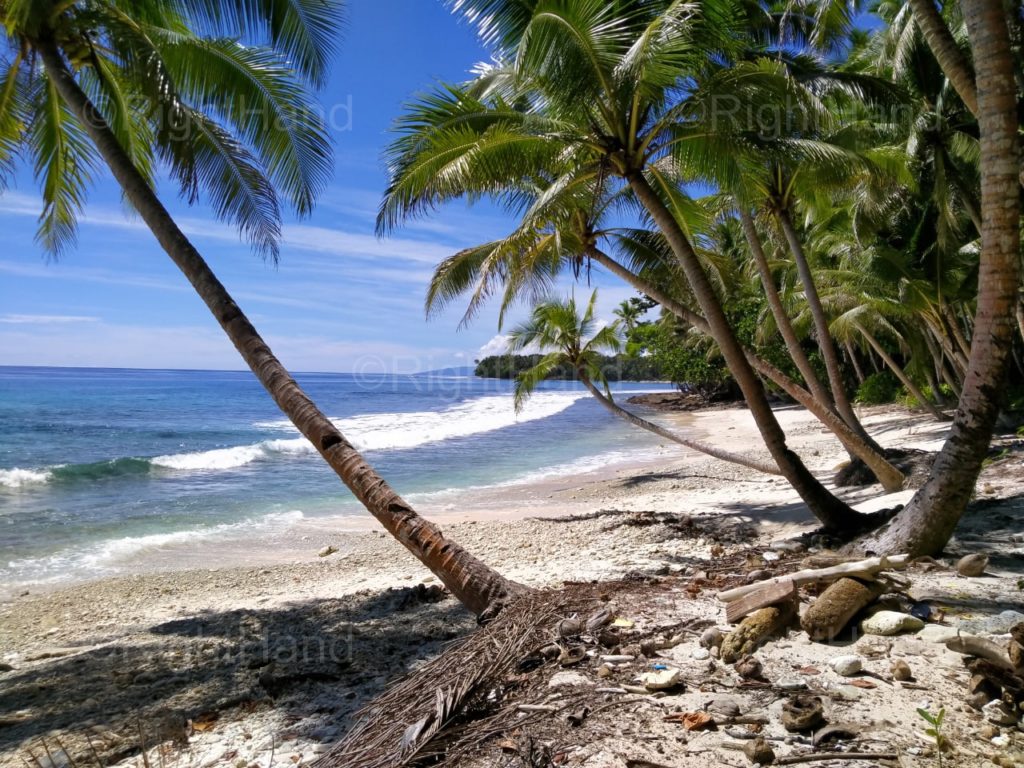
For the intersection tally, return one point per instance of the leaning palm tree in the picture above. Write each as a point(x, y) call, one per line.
point(570, 338)
point(142, 84)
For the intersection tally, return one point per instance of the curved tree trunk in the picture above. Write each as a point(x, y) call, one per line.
point(782, 319)
point(821, 327)
point(833, 513)
point(924, 526)
point(951, 59)
point(889, 476)
point(907, 382)
point(478, 587)
point(615, 409)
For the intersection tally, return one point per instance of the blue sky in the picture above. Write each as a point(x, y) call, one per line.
point(340, 300)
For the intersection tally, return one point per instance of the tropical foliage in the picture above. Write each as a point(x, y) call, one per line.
point(840, 172)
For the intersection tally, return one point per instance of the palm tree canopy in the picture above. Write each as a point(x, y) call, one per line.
point(216, 93)
point(568, 336)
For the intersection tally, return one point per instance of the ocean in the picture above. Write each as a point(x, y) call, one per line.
point(100, 466)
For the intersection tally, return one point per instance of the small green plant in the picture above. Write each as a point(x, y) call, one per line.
point(935, 730)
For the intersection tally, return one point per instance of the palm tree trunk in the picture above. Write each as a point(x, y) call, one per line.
point(951, 59)
point(782, 320)
point(478, 587)
point(852, 354)
point(924, 526)
point(889, 476)
point(958, 332)
point(616, 410)
point(825, 342)
point(895, 367)
point(833, 513)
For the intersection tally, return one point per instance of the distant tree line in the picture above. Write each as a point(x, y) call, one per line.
point(614, 368)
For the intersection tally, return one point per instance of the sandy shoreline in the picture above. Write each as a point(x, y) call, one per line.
point(192, 636)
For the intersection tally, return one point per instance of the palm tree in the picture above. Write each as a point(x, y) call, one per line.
point(169, 82)
point(574, 339)
point(590, 94)
point(928, 520)
point(629, 314)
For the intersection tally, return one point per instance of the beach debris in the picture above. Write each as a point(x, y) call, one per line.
point(576, 717)
point(887, 623)
point(691, 721)
point(568, 679)
point(773, 593)
point(759, 752)
point(701, 654)
point(790, 684)
point(836, 607)
point(749, 668)
point(922, 611)
point(861, 568)
point(972, 565)
point(725, 706)
point(327, 551)
point(660, 679)
point(969, 645)
point(598, 619)
point(999, 713)
point(574, 654)
point(901, 670)
point(755, 629)
point(622, 623)
point(802, 713)
point(570, 627)
point(846, 666)
point(711, 638)
point(836, 732)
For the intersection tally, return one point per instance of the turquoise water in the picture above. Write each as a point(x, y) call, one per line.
point(96, 464)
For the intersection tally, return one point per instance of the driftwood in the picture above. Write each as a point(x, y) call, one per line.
point(864, 569)
point(772, 594)
point(817, 756)
point(969, 645)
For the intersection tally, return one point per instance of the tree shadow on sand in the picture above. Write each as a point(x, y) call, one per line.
point(314, 662)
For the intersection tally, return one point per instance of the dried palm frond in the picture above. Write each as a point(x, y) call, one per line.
point(412, 720)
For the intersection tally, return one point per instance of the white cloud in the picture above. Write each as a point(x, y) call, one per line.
point(498, 345)
point(45, 319)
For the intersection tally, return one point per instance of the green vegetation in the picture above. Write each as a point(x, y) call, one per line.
point(613, 368)
point(879, 388)
point(839, 233)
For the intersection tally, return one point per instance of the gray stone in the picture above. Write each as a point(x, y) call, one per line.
point(1000, 624)
point(328, 550)
point(711, 638)
point(566, 679)
point(972, 565)
point(701, 654)
point(759, 752)
point(847, 666)
point(901, 670)
point(890, 623)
